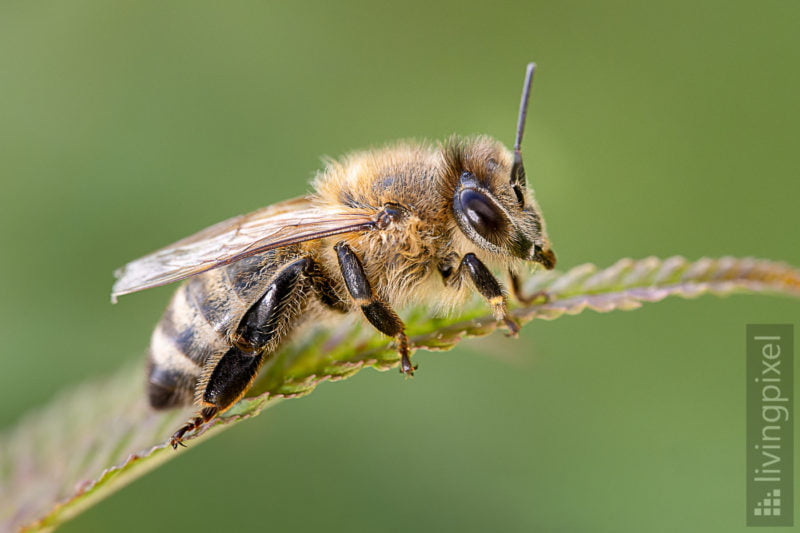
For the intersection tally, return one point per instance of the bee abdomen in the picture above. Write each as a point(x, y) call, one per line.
point(173, 366)
point(181, 344)
point(167, 388)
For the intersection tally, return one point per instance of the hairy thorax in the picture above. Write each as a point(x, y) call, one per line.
point(401, 261)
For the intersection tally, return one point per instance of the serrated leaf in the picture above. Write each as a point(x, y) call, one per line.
point(95, 439)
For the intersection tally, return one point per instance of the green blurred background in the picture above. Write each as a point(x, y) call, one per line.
point(654, 129)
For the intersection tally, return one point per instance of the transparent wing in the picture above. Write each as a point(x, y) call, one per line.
point(282, 224)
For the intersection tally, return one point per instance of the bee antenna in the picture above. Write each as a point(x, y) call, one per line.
point(518, 171)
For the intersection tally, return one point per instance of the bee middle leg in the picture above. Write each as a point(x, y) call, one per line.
point(490, 289)
point(379, 314)
point(226, 378)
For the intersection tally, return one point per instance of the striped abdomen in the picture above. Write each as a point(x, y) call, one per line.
point(198, 323)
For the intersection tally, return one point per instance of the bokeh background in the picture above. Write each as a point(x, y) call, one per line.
point(654, 130)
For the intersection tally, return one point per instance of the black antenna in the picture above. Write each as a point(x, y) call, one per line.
point(518, 171)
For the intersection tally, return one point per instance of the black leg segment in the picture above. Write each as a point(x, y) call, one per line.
point(383, 318)
point(490, 289)
point(324, 289)
point(231, 377)
point(226, 378)
point(377, 312)
point(261, 323)
point(259, 331)
point(353, 272)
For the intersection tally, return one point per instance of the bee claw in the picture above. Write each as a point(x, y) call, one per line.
point(175, 443)
point(513, 327)
point(406, 368)
point(177, 440)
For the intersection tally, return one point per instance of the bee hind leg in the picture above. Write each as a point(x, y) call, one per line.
point(379, 314)
point(204, 416)
point(225, 379)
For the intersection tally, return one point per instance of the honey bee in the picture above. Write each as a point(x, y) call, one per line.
point(413, 222)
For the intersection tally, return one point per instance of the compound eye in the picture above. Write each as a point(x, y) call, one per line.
point(483, 215)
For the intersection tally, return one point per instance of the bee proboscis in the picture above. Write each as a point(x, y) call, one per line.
point(413, 222)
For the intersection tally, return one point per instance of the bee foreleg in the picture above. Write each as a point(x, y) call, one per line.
point(379, 314)
point(490, 289)
point(227, 378)
point(525, 299)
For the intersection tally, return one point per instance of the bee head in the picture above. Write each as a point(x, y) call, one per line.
point(496, 214)
point(491, 202)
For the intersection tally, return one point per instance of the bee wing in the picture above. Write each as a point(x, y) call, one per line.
point(279, 225)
